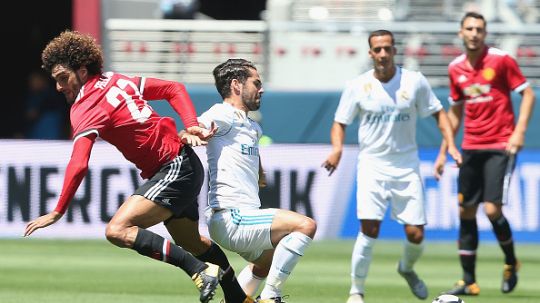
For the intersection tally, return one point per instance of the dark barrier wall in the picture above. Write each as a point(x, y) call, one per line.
point(306, 116)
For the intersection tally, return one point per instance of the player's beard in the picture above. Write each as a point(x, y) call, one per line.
point(252, 103)
point(74, 90)
point(385, 69)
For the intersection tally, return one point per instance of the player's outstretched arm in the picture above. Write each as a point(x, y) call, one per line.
point(337, 137)
point(42, 222)
point(197, 135)
point(202, 132)
point(75, 172)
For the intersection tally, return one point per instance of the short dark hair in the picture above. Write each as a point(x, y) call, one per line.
point(73, 50)
point(380, 32)
point(224, 73)
point(475, 16)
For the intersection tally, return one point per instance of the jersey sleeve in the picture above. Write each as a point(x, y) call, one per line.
point(175, 93)
point(456, 95)
point(514, 76)
point(86, 122)
point(219, 116)
point(427, 103)
point(75, 171)
point(347, 108)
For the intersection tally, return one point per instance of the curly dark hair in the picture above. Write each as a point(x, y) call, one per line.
point(72, 49)
point(231, 69)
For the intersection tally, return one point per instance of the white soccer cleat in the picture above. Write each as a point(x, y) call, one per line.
point(355, 298)
point(417, 286)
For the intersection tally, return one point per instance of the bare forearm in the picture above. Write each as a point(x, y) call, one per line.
point(453, 119)
point(525, 110)
point(446, 130)
point(337, 136)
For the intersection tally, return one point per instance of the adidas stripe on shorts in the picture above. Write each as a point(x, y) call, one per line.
point(176, 185)
point(244, 231)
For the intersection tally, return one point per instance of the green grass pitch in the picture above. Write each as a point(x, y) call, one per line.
point(69, 271)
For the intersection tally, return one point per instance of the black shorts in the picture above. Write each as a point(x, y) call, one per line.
point(484, 176)
point(176, 185)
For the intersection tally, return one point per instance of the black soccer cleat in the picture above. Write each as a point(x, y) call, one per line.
point(207, 281)
point(462, 289)
point(510, 277)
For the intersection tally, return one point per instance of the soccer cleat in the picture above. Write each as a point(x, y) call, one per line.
point(417, 286)
point(356, 298)
point(462, 289)
point(207, 281)
point(510, 277)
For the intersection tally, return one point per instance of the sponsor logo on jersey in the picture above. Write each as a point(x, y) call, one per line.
point(389, 114)
point(478, 93)
point(476, 90)
point(249, 150)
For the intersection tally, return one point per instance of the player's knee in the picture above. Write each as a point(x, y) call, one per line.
point(371, 228)
point(116, 234)
point(415, 238)
point(308, 227)
point(468, 213)
point(261, 271)
point(493, 213)
point(414, 234)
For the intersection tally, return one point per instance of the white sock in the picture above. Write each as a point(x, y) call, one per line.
point(361, 259)
point(249, 282)
point(286, 255)
point(411, 254)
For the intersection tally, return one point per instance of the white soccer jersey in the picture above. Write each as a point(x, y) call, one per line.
point(233, 158)
point(387, 115)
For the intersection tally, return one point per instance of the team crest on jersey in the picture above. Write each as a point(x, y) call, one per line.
point(404, 96)
point(488, 73)
point(462, 79)
point(367, 88)
point(367, 91)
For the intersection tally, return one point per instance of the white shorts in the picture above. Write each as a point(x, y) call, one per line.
point(405, 197)
point(244, 231)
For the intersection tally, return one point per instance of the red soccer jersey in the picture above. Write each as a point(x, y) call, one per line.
point(112, 106)
point(485, 89)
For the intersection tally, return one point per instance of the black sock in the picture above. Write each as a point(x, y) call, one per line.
point(154, 246)
point(468, 244)
point(231, 289)
point(502, 231)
